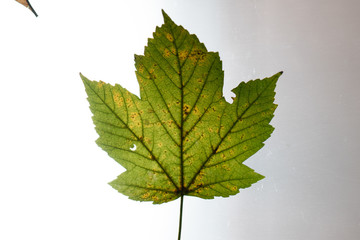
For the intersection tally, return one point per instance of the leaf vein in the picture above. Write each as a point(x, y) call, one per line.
point(222, 139)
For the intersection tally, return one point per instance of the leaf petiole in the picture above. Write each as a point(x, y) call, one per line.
point(181, 212)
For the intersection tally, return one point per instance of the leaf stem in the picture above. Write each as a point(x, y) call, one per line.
point(181, 212)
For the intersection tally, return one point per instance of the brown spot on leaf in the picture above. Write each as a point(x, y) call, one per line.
point(199, 190)
point(196, 110)
point(197, 55)
point(199, 185)
point(169, 37)
point(155, 198)
point(183, 55)
point(186, 109)
point(166, 53)
point(170, 123)
point(133, 115)
point(141, 68)
point(226, 167)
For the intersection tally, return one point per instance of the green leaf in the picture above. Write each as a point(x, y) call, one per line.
point(181, 137)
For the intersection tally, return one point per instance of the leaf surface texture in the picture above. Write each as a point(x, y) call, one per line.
point(181, 137)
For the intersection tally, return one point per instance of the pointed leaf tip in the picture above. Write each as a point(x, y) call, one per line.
point(82, 76)
point(166, 17)
point(278, 74)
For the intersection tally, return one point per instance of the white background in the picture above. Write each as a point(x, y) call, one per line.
point(53, 177)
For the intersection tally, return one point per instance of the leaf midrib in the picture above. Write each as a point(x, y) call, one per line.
point(182, 190)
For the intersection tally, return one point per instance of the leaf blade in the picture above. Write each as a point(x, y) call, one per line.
point(181, 137)
point(235, 145)
point(104, 102)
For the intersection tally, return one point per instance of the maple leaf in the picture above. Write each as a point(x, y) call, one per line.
point(181, 137)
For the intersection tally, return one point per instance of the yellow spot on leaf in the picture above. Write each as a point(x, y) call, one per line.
point(129, 102)
point(141, 68)
point(100, 84)
point(186, 109)
point(226, 167)
point(145, 195)
point(118, 100)
point(167, 53)
point(190, 162)
point(197, 55)
point(169, 37)
point(170, 123)
point(133, 115)
point(203, 136)
point(196, 110)
point(183, 55)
